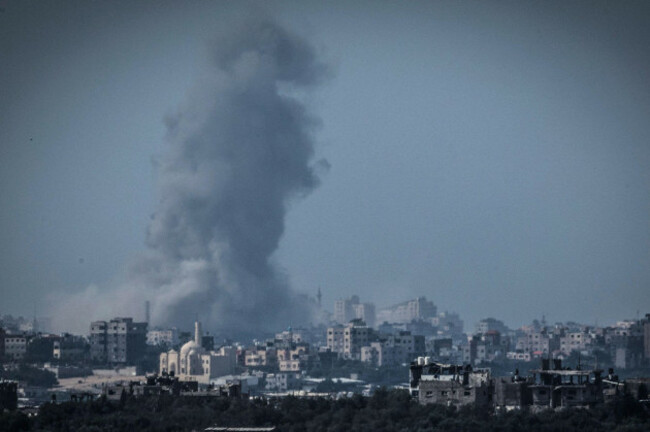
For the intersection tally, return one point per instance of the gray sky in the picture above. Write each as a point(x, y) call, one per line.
point(493, 156)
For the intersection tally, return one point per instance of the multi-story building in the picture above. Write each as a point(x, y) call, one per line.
point(260, 356)
point(345, 310)
point(69, 348)
point(449, 324)
point(355, 335)
point(288, 337)
point(416, 309)
point(294, 359)
point(168, 337)
point(444, 384)
point(98, 338)
point(283, 381)
point(646, 337)
point(335, 338)
point(118, 341)
point(489, 324)
point(574, 341)
point(347, 340)
point(366, 313)
point(15, 346)
point(393, 350)
point(535, 342)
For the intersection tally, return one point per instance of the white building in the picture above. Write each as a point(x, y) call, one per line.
point(416, 309)
point(194, 363)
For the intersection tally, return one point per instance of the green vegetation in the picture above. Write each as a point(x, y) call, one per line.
point(29, 375)
point(384, 411)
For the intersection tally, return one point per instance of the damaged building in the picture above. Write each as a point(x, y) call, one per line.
point(560, 387)
point(512, 393)
point(457, 385)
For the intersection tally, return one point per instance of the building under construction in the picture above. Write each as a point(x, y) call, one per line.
point(549, 387)
point(437, 383)
point(564, 387)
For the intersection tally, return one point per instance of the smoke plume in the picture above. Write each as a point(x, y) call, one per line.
point(239, 151)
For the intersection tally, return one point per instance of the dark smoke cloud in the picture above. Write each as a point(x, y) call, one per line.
point(239, 151)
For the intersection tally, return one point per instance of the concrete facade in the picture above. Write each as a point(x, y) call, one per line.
point(119, 340)
point(437, 383)
point(15, 346)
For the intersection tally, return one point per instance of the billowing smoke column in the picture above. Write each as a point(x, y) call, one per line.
point(240, 150)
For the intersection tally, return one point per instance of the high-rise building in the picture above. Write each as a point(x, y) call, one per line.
point(98, 338)
point(345, 310)
point(118, 341)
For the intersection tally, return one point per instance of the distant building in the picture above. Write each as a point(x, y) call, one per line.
point(15, 346)
point(118, 341)
point(345, 310)
point(490, 324)
point(520, 356)
point(646, 337)
point(366, 313)
point(565, 388)
point(260, 356)
point(534, 341)
point(335, 338)
point(283, 381)
point(574, 341)
point(69, 348)
point(436, 383)
point(417, 309)
point(512, 393)
point(2, 343)
point(348, 340)
point(449, 324)
point(194, 363)
point(289, 337)
point(355, 335)
point(393, 350)
point(168, 337)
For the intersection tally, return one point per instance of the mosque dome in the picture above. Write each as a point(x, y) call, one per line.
point(190, 347)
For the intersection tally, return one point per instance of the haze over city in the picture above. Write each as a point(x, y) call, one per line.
point(493, 157)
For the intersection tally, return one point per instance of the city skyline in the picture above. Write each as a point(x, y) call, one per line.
point(491, 157)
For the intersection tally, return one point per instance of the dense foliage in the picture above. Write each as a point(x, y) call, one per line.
point(384, 411)
point(30, 375)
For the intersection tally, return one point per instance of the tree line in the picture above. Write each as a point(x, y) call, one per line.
point(386, 410)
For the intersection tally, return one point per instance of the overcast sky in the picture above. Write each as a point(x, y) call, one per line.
point(492, 156)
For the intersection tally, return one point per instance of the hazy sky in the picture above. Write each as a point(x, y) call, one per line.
point(492, 156)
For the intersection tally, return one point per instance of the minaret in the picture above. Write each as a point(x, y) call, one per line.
point(197, 333)
point(319, 296)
